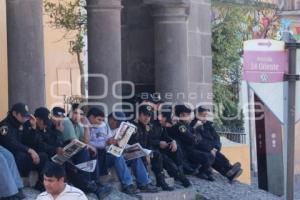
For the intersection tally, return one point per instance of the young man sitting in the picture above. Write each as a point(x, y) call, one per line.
point(183, 134)
point(162, 142)
point(208, 140)
point(143, 136)
point(102, 136)
point(72, 128)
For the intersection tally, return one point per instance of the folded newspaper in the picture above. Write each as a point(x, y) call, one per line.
point(122, 136)
point(70, 150)
point(89, 166)
point(135, 151)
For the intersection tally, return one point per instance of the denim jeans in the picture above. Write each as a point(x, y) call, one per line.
point(123, 172)
point(9, 174)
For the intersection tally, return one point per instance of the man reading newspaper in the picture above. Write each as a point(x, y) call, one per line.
point(75, 136)
point(102, 137)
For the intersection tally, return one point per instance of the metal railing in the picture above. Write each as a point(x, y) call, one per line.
point(237, 135)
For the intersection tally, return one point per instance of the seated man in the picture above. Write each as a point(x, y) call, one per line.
point(11, 187)
point(162, 142)
point(183, 134)
point(102, 136)
point(208, 140)
point(21, 139)
point(56, 188)
point(142, 136)
point(72, 128)
point(50, 135)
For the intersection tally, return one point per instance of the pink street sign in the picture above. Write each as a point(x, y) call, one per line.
point(265, 66)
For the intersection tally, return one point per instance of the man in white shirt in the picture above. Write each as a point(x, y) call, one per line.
point(101, 137)
point(56, 188)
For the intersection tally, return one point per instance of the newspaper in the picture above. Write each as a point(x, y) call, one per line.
point(122, 136)
point(135, 151)
point(70, 150)
point(89, 166)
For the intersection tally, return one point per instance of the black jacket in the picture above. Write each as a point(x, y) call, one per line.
point(183, 135)
point(142, 135)
point(12, 134)
point(50, 140)
point(206, 136)
point(158, 134)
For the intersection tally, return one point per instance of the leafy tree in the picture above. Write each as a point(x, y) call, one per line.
point(70, 16)
point(231, 26)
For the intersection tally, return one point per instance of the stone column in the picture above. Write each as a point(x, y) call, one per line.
point(288, 4)
point(171, 48)
point(104, 51)
point(25, 42)
point(297, 4)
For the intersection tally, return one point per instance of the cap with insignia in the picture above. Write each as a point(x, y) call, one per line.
point(201, 109)
point(166, 111)
point(146, 109)
point(43, 114)
point(58, 112)
point(21, 108)
point(181, 108)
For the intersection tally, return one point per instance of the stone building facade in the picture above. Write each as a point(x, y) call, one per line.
point(160, 46)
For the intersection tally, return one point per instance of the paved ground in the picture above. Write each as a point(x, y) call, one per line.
point(222, 190)
point(218, 190)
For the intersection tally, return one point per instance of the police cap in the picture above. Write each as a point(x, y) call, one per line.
point(146, 109)
point(181, 108)
point(21, 108)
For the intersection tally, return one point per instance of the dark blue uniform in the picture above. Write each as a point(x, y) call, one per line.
point(184, 136)
point(145, 136)
point(172, 161)
point(18, 138)
point(51, 140)
point(208, 139)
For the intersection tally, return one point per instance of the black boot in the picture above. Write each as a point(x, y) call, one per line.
point(183, 179)
point(233, 170)
point(180, 176)
point(160, 182)
point(203, 175)
point(187, 169)
point(235, 176)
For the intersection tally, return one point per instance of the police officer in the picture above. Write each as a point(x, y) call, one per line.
point(182, 133)
point(162, 142)
point(208, 140)
point(22, 141)
point(142, 136)
point(49, 134)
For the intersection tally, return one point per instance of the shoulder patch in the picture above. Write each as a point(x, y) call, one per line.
point(182, 129)
point(3, 130)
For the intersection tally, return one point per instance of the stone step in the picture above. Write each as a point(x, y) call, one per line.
point(112, 178)
point(178, 194)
